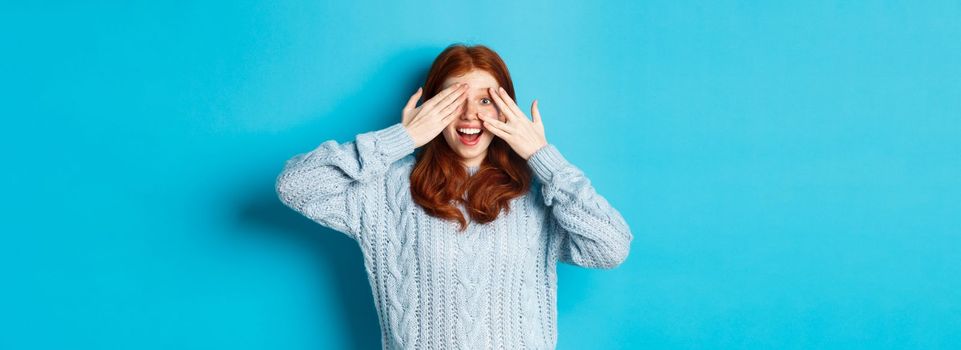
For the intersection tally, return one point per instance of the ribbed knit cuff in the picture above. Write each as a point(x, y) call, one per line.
point(545, 161)
point(394, 142)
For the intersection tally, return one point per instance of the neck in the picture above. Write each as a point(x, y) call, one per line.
point(474, 162)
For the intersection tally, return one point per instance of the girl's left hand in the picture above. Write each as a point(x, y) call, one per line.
point(522, 134)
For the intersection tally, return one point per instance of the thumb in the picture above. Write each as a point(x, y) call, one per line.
point(413, 99)
point(535, 113)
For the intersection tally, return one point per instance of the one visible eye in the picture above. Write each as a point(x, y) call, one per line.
point(486, 101)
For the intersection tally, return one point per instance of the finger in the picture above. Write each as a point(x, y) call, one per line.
point(453, 106)
point(535, 113)
point(441, 95)
point(510, 102)
point(495, 127)
point(450, 116)
point(412, 102)
point(493, 122)
point(450, 98)
point(501, 105)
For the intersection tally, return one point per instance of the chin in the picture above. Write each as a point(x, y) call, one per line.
point(468, 152)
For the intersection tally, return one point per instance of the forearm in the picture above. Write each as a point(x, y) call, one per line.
point(594, 232)
point(325, 183)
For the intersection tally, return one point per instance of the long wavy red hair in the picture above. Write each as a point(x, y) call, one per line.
point(439, 180)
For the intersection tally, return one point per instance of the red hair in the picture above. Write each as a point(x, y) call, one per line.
point(439, 181)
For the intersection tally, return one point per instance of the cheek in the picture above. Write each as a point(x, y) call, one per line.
point(492, 111)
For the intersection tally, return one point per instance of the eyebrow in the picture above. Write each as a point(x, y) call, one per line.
point(485, 88)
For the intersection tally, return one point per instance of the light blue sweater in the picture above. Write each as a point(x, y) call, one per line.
point(491, 287)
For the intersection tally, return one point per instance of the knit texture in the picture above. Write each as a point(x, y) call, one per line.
point(493, 286)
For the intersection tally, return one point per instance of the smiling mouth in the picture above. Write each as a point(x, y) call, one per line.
point(469, 139)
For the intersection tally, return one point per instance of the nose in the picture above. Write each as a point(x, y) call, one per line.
point(470, 110)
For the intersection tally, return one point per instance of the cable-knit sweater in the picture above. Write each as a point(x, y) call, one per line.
point(493, 286)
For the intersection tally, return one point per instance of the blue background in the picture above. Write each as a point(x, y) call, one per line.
point(791, 172)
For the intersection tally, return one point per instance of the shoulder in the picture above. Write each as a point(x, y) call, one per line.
point(396, 187)
point(532, 199)
point(398, 174)
point(401, 169)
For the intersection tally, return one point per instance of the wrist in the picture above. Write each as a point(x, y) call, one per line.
point(547, 161)
point(414, 136)
point(394, 142)
point(535, 149)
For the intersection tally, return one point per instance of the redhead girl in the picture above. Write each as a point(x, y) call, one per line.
point(462, 210)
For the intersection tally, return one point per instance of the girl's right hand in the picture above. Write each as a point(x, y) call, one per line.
point(425, 122)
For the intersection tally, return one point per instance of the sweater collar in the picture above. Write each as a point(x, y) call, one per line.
point(471, 170)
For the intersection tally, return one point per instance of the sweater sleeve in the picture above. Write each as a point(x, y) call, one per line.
point(327, 184)
point(592, 233)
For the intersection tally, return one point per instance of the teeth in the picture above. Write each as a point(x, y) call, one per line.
point(469, 131)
